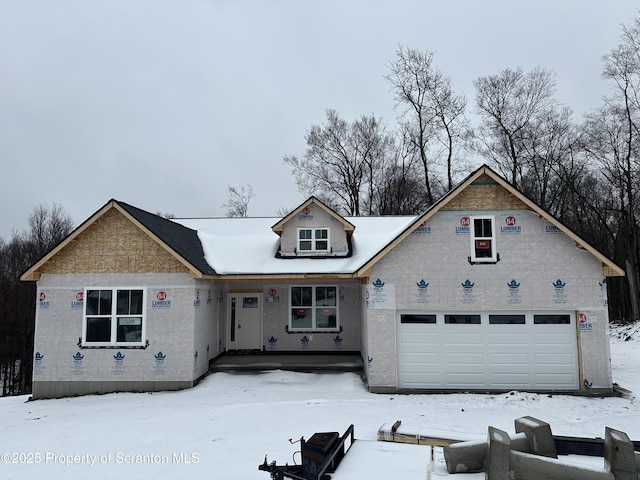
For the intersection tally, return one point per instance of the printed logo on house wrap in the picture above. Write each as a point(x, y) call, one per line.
point(465, 226)
point(306, 214)
point(79, 300)
point(196, 301)
point(161, 301)
point(422, 228)
point(510, 225)
point(42, 300)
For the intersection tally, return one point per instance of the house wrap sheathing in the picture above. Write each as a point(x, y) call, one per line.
point(484, 291)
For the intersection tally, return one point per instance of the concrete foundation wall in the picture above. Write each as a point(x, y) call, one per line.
point(42, 390)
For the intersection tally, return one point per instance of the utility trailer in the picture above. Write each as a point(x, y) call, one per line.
point(320, 456)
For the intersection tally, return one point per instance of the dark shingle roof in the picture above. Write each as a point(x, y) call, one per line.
point(184, 241)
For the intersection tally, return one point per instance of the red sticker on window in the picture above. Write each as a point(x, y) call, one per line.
point(482, 244)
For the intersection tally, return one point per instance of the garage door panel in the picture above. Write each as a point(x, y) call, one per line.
point(488, 355)
point(420, 347)
point(471, 359)
point(509, 359)
point(420, 340)
point(554, 380)
point(422, 380)
point(509, 380)
point(510, 349)
point(508, 338)
point(549, 339)
point(556, 359)
point(463, 338)
point(424, 358)
point(464, 380)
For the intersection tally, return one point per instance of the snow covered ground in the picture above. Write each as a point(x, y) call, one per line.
point(223, 428)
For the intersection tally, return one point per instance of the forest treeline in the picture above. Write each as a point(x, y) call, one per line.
point(585, 171)
point(48, 225)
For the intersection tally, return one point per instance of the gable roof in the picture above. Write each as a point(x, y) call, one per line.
point(279, 226)
point(244, 248)
point(609, 268)
point(182, 240)
point(179, 241)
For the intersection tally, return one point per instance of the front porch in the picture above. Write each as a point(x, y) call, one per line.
point(255, 361)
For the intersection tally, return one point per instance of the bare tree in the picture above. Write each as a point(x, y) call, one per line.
point(238, 199)
point(342, 162)
point(431, 114)
point(508, 104)
point(547, 148)
point(618, 153)
point(399, 189)
point(48, 226)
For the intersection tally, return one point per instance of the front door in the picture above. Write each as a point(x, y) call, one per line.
point(245, 321)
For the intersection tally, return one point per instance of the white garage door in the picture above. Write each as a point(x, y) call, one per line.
point(501, 351)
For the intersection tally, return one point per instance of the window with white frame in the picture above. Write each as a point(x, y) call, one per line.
point(483, 239)
point(313, 308)
point(313, 240)
point(114, 317)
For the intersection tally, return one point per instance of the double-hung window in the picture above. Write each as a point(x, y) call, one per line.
point(313, 240)
point(114, 317)
point(313, 308)
point(483, 239)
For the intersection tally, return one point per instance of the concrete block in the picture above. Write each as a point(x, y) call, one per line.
point(465, 457)
point(526, 466)
point(619, 457)
point(498, 453)
point(539, 434)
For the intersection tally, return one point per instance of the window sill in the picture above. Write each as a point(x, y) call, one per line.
point(484, 262)
point(330, 331)
point(122, 346)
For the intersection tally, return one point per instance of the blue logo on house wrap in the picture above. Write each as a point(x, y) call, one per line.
point(378, 285)
point(467, 286)
point(305, 341)
point(513, 286)
point(272, 341)
point(38, 357)
point(119, 357)
point(422, 285)
point(337, 341)
point(160, 357)
point(78, 357)
point(559, 285)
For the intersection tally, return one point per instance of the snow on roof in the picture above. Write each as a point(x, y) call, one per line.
point(248, 246)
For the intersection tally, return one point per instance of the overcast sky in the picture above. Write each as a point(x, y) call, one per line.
point(163, 104)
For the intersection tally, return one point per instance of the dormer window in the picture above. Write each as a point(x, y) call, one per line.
point(483, 240)
point(313, 240)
